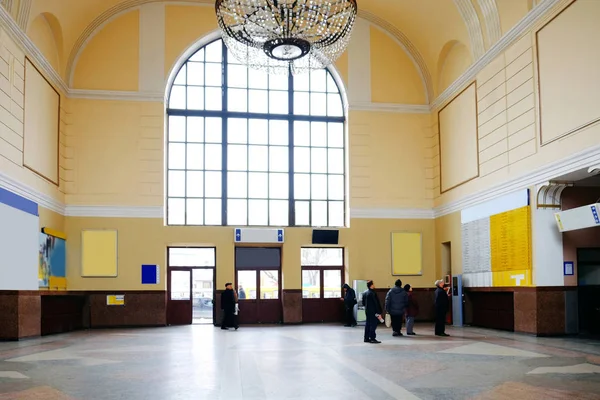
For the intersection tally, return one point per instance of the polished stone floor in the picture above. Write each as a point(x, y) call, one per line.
point(310, 362)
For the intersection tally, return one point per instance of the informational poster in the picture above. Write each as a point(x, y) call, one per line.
point(115, 300)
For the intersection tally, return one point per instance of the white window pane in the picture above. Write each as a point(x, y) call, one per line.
point(195, 99)
point(213, 99)
point(302, 213)
point(318, 80)
point(237, 185)
point(301, 103)
point(319, 213)
point(176, 129)
point(258, 131)
point(269, 284)
point(332, 283)
point(335, 133)
point(279, 186)
point(214, 51)
point(195, 212)
point(278, 159)
point(318, 134)
point(322, 256)
point(231, 59)
point(301, 133)
point(195, 129)
point(335, 161)
point(258, 101)
point(237, 157)
point(198, 56)
point(278, 82)
point(180, 79)
point(331, 85)
point(278, 213)
point(237, 212)
point(334, 105)
point(176, 184)
point(213, 74)
point(213, 157)
point(319, 187)
point(195, 184)
point(311, 284)
point(237, 76)
point(195, 73)
point(247, 280)
point(237, 100)
point(301, 82)
point(177, 97)
point(176, 212)
point(302, 186)
point(278, 102)
point(336, 187)
point(258, 213)
point(195, 156)
point(258, 185)
point(258, 79)
point(176, 156)
point(212, 212)
point(237, 130)
point(318, 104)
point(212, 184)
point(213, 130)
point(302, 159)
point(336, 213)
point(318, 160)
point(279, 133)
point(258, 158)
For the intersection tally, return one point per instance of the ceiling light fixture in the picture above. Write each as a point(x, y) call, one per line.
point(283, 36)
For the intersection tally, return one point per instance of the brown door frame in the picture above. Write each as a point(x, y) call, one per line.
point(179, 304)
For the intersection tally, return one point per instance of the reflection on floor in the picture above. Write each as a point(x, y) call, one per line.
point(297, 362)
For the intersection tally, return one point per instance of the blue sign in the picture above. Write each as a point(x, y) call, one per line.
point(238, 235)
point(280, 235)
point(569, 268)
point(595, 213)
point(150, 275)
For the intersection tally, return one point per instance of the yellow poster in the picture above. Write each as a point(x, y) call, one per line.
point(115, 300)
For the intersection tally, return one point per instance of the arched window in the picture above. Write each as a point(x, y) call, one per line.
point(250, 149)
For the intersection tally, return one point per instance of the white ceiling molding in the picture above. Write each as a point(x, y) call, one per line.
point(390, 107)
point(8, 183)
point(391, 213)
point(471, 20)
point(23, 14)
point(116, 95)
point(491, 17)
point(114, 211)
point(515, 33)
point(8, 5)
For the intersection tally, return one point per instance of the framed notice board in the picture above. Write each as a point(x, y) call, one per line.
point(99, 253)
point(407, 253)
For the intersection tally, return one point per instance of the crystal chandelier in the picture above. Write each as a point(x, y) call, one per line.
point(282, 36)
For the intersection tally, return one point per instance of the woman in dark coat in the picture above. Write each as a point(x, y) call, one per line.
point(411, 311)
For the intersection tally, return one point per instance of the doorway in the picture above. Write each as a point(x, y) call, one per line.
point(190, 285)
point(322, 280)
point(446, 259)
point(588, 282)
point(258, 282)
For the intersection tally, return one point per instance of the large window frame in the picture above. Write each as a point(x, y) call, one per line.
point(293, 120)
point(320, 269)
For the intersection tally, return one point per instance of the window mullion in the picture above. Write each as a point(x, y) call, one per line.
point(224, 138)
point(291, 198)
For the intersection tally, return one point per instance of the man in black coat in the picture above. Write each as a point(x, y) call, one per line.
point(396, 302)
point(228, 301)
point(373, 312)
point(441, 308)
point(349, 303)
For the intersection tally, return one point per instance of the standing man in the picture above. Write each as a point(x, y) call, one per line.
point(372, 311)
point(242, 293)
point(349, 303)
point(228, 301)
point(441, 308)
point(396, 302)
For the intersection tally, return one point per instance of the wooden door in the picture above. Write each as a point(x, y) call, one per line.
point(179, 303)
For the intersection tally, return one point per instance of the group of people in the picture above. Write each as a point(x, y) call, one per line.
point(399, 304)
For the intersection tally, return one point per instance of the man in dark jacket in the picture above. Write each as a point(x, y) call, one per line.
point(441, 308)
point(396, 302)
point(228, 300)
point(372, 311)
point(349, 303)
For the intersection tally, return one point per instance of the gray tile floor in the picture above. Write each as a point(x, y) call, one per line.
point(297, 362)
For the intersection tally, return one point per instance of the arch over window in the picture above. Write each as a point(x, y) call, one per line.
point(249, 149)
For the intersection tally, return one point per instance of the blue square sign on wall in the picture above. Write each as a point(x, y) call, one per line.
point(150, 275)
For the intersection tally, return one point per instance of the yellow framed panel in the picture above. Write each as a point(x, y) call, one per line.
point(99, 253)
point(407, 253)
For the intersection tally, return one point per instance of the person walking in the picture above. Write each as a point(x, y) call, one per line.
point(373, 312)
point(349, 303)
point(396, 302)
point(411, 311)
point(228, 305)
point(441, 308)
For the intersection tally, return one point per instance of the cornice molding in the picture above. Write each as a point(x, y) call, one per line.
point(471, 20)
point(8, 183)
point(491, 17)
point(391, 213)
point(390, 107)
point(116, 95)
point(113, 211)
point(515, 33)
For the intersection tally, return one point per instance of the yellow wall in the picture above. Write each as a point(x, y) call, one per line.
point(454, 60)
point(51, 219)
point(40, 32)
point(448, 230)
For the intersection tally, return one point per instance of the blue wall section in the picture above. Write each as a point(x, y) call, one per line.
point(20, 203)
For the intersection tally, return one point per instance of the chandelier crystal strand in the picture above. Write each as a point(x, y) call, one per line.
point(279, 36)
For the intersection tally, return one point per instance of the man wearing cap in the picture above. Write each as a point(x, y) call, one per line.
point(228, 300)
